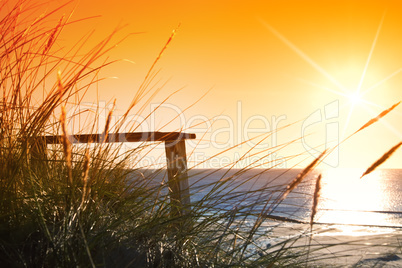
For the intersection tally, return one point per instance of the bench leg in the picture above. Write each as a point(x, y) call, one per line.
point(177, 176)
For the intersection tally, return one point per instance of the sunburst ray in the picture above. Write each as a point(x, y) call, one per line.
point(382, 81)
point(304, 56)
point(370, 53)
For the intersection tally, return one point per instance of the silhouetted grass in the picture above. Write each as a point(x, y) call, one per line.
point(86, 205)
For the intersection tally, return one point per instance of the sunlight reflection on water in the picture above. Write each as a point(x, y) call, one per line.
point(347, 230)
point(347, 199)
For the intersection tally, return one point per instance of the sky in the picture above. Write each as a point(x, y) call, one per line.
point(308, 73)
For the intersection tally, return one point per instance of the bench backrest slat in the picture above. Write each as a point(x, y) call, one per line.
point(122, 137)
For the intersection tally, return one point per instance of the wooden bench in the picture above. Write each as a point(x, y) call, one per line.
point(175, 149)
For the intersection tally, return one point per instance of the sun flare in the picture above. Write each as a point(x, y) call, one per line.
point(355, 98)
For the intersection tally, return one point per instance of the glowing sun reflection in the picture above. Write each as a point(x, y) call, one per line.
point(347, 199)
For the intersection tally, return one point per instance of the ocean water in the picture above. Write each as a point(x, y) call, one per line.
point(345, 198)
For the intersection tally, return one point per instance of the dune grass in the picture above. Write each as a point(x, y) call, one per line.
point(87, 206)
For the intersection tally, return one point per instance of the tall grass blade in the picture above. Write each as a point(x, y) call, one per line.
point(375, 119)
point(296, 181)
point(85, 190)
point(381, 160)
point(66, 144)
point(316, 196)
point(107, 125)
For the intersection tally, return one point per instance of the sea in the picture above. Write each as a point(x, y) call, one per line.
point(345, 198)
point(350, 208)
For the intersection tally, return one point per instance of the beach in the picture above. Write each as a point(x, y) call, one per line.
point(341, 245)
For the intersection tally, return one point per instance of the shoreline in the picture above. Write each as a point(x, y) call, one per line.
point(337, 245)
point(286, 219)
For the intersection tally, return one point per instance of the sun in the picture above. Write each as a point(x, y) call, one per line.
point(354, 94)
point(355, 98)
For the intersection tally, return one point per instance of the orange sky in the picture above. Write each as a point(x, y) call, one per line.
point(273, 59)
